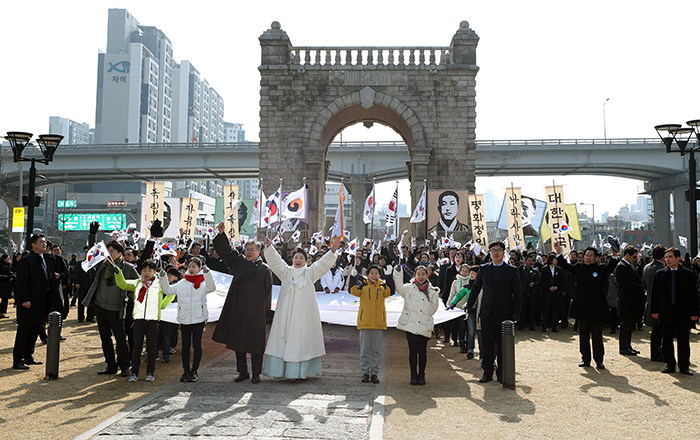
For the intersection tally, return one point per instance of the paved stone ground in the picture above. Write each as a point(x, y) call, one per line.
point(334, 406)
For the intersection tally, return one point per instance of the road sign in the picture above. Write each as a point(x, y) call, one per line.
point(116, 203)
point(17, 219)
point(67, 203)
point(81, 222)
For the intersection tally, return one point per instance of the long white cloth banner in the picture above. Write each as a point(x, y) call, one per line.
point(340, 308)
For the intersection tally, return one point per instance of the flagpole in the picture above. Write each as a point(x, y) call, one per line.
point(396, 218)
point(260, 207)
point(306, 215)
point(279, 210)
point(342, 211)
point(425, 215)
point(374, 197)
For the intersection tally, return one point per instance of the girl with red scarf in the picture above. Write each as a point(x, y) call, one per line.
point(192, 311)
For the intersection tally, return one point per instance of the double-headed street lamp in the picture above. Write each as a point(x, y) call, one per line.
point(48, 143)
point(681, 136)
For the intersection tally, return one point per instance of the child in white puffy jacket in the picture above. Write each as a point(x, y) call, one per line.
point(192, 311)
point(421, 301)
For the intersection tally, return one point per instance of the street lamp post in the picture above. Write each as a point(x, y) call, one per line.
point(48, 143)
point(681, 136)
point(593, 217)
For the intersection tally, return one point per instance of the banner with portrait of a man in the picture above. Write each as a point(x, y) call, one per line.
point(448, 210)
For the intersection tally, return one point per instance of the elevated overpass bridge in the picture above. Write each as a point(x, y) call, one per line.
point(643, 159)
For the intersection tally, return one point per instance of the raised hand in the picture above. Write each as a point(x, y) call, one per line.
point(157, 229)
point(268, 242)
point(221, 227)
point(94, 227)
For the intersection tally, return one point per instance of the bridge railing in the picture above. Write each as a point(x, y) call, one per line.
point(371, 56)
point(547, 142)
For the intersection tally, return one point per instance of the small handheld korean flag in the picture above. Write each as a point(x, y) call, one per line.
point(96, 254)
point(683, 241)
point(365, 242)
point(277, 240)
point(352, 247)
point(427, 243)
point(295, 236)
point(313, 250)
point(346, 234)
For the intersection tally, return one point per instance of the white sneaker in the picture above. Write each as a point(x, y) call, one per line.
point(133, 378)
point(150, 377)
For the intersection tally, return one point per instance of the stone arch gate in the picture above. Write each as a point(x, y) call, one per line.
point(310, 94)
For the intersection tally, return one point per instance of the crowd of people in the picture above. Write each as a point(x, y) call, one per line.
point(126, 292)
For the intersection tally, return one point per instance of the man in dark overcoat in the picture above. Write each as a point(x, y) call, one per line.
point(35, 292)
point(501, 300)
point(630, 298)
point(589, 304)
point(674, 302)
point(248, 303)
point(657, 255)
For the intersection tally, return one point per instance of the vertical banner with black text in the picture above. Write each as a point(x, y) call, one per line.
point(556, 217)
point(476, 215)
point(231, 219)
point(515, 219)
point(155, 205)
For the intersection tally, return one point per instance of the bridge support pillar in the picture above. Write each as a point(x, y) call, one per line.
point(681, 216)
point(359, 189)
point(662, 217)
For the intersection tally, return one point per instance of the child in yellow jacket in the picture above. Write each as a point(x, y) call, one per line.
point(371, 320)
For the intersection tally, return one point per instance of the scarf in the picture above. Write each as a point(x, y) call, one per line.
point(462, 281)
point(195, 279)
point(109, 270)
point(423, 288)
point(145, 285)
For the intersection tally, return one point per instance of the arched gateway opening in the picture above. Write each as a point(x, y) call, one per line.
point(310, 94)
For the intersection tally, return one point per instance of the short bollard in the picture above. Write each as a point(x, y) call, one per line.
point(508, 347)
point(53, 345)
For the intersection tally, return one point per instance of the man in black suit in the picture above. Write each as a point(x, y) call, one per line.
point(674, 302)
point(630, 298)
point(657, 254)
point(501, 300)
point(35, 291)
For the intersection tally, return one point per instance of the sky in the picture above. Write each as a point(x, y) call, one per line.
point(546, 67)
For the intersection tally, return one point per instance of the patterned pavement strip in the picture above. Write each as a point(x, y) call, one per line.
point(334, 406)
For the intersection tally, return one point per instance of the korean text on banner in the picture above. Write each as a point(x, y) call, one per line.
point(476, 215)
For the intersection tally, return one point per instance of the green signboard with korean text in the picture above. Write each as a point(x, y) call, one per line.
point(81, 222)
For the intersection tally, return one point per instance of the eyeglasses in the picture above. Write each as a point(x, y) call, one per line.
point(496, 250)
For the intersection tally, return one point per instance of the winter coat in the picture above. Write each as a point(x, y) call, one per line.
point(372, 312)
point(296, 334)
point(418, 310)
point(153, 302)
point(121, 295)
point(458, 284)
point(191, 302)
point(331, 281)
point(648, 277)
point(686, 304)
point(33, 286)
point(7, 280)
point(244, 315)
point(590, 296)
point(630, 291)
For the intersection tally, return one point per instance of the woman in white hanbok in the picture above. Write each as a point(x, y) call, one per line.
point(295, 345)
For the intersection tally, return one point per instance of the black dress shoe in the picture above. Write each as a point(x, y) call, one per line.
point(20, 366)
point(686, 371)
point(414, 379)
point(486, 378)
point(600, 366)
point(241, 377)
point(125, 372)
point(584, 364)
point(669, 370)
point(32, 361)
point(108, 371)
point(628, 352)
point(636, 351)
point(255, 379)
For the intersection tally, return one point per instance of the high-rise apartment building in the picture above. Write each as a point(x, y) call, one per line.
point(233, 132)
point(74, 133)
point(144, 96)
